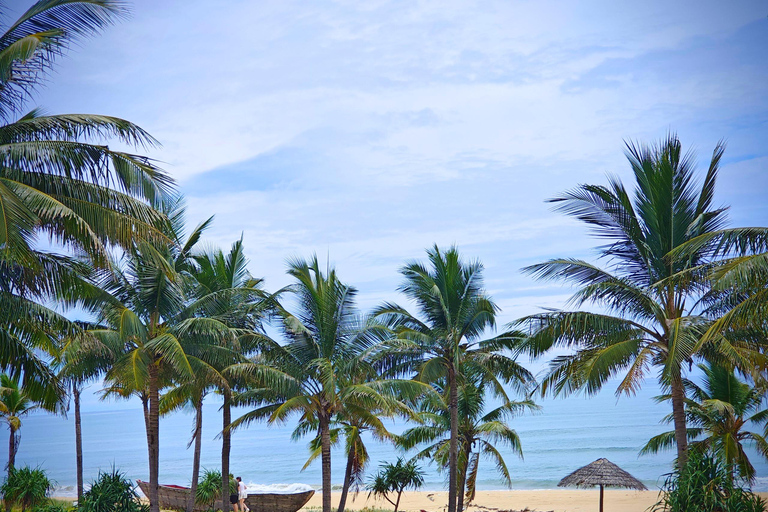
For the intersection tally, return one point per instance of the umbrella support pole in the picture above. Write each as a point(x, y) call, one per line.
point(601, 498)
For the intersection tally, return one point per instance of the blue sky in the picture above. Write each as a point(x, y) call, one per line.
point(368, 131)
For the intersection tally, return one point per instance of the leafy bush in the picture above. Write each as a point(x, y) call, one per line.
point(395, 478)
point(26, 487)
point(705, 485)
point(209, 487)
point(111, 492)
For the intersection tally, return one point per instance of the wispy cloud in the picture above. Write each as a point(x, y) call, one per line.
point(371, 130)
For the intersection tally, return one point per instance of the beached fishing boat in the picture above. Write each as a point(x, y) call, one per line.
point(175, 497)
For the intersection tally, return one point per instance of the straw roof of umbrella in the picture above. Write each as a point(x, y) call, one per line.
point(602, 472)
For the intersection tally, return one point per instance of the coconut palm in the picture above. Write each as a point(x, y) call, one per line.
point(145, 311)
point(81, 359)
point(479, 432)
point(225, 291)
point(192, 393)
point(311, 375)
point(14, 405)
point(59, 181)
point(718, 413)
point(454, 312)
point(349, 425)
point(649, 293)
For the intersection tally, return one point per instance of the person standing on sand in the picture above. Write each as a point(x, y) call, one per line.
point(242, 494)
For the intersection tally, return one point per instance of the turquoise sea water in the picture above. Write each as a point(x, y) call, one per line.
point(566, 434)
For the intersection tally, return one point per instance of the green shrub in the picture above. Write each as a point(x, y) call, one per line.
point(705, 485)
point(111, 492)
point(26, 487)
point(209, 487)
point(394, 479)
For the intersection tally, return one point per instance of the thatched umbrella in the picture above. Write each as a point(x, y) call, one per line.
point(604, 473)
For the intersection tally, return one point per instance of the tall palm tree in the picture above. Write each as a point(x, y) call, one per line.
point(328, 342)
point(479, 432)
point(193, 393)
point(56, 183)
point(718, 414)
point(225, 291)
point(349, 425)
point(454, 313)
point(14, 405)
point(81, 359)
point(648, 293)
point(145, 313)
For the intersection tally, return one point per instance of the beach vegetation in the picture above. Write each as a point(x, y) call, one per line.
point(156, 341)
point(444, 339)
point(315, 374)
point(26, 487)
point(392, 479)
point(719, 413)
point(58, 185)
point(209, 488)
point(704, 484)
point(224, 291)
point(14, 405)
point(112, 491)
point(649, 289)
point(481, 432)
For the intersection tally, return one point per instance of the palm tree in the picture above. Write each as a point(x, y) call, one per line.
point(312, 375)
point(81, 359)
point(56, 184)
point(193, 393)
point(14, 405)
point(479, 432)
point(227, 293)
point(456, 310)
point(649, 293)
point(350, 423)
point(719, 412)
point(146, 317)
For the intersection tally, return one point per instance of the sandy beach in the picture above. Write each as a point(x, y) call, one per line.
point(560, 500)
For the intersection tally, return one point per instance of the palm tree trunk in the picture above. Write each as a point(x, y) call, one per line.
point(678, 415)
point(11, 460)
point(454, 444)
point(463, 480)
point(78, 441)
point(226, 440)
point(347, 477)
point(325, 443)
point(153, 438)
point(11, 450)
point(196, 456)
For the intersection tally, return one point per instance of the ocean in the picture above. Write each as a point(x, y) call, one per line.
point(565, 435)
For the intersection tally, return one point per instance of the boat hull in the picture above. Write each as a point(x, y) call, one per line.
point(176, 497)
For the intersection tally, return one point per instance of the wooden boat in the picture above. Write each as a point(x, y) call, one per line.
point(174, 497)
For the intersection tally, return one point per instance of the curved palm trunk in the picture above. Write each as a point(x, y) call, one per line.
point(196, 458)
point(153, 438)
point(454, 444)
point(325, 443)
point(347, 478)
point(11, 450)
point(78, 441)
point(678, 415)
point(11, 459)
point(226, 440)
point(463, 479)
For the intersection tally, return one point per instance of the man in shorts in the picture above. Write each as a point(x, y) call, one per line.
point(242, 494)
point(233, 500)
